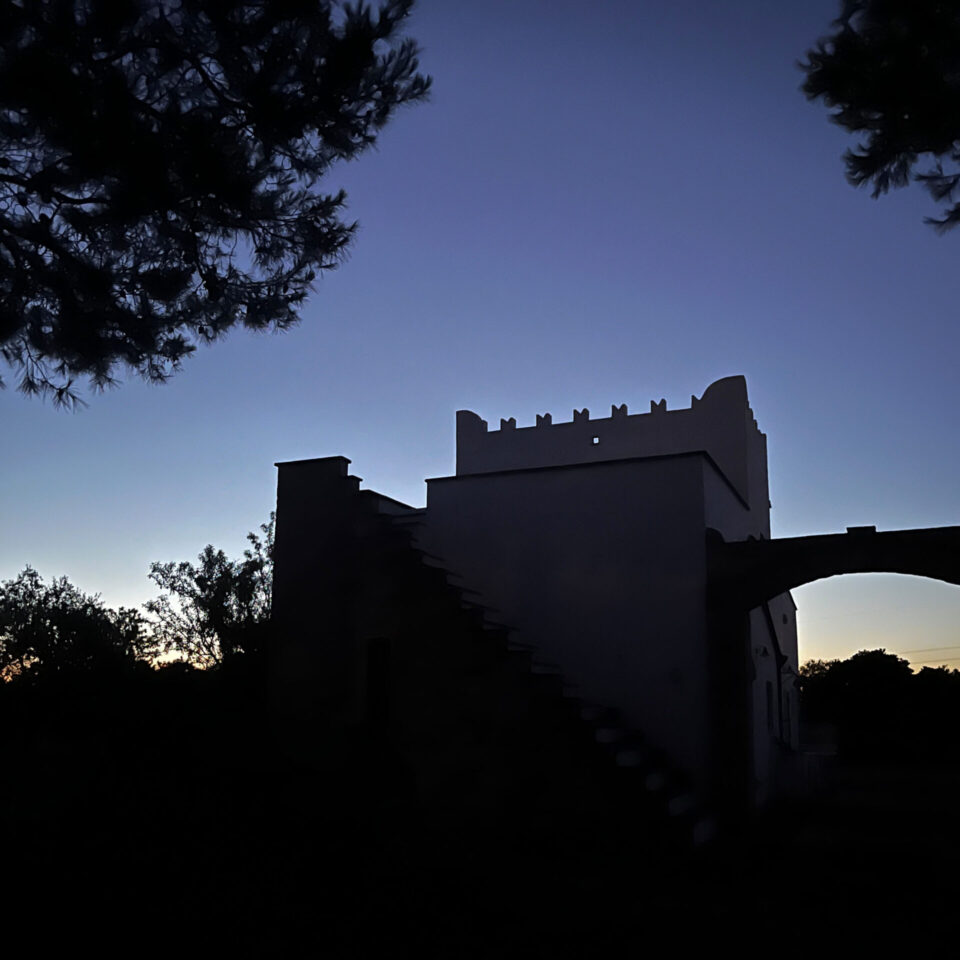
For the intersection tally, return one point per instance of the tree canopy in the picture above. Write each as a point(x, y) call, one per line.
point(882, 709)
point(159, 170)
point(216, 608)
point(890, 72)
point(57, 629)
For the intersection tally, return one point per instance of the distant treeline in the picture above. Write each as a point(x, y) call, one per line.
point(882, 710)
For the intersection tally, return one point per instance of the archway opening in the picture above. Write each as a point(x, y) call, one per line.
point(916, 618)
point(879, 657)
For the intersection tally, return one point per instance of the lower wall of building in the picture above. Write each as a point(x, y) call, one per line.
point(602, 568)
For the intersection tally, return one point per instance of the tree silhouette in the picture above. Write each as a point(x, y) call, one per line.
point(217, 608)
point(882, 709)
point(159, 170)
point(891, 73)
point(56, 629)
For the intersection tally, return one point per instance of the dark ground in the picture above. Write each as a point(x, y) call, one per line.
point(158, 827)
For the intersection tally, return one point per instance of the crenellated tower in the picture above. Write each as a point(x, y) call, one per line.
point(720, 424)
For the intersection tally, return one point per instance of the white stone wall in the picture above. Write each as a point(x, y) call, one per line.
point(783, 613)
point(588, 538)
point(602, 567)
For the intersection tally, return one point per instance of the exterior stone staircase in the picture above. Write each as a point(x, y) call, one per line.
point(642, 777)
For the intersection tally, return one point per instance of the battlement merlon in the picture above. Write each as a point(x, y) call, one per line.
point(720, 422)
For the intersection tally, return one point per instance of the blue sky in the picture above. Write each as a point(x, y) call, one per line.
point(601, 203)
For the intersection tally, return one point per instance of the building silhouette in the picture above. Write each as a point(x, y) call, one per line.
point(549, 605)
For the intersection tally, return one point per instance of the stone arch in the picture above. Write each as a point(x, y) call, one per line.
point(743, 574)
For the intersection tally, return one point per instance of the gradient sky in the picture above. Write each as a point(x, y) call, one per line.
point(602, 202)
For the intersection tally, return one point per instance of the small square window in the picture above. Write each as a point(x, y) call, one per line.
point(594, 440)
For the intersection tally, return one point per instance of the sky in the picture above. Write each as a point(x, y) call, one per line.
point(601, 203)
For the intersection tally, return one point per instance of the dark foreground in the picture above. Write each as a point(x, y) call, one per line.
point(155, 825)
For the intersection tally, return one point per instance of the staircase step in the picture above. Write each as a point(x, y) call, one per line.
point(544, 667)
point(468, 604)
point(631, 757)
point(655, 781)
point(594, 713)
point(609, 734)
point(681, 804)
point(517, 645)
point(704, 830)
